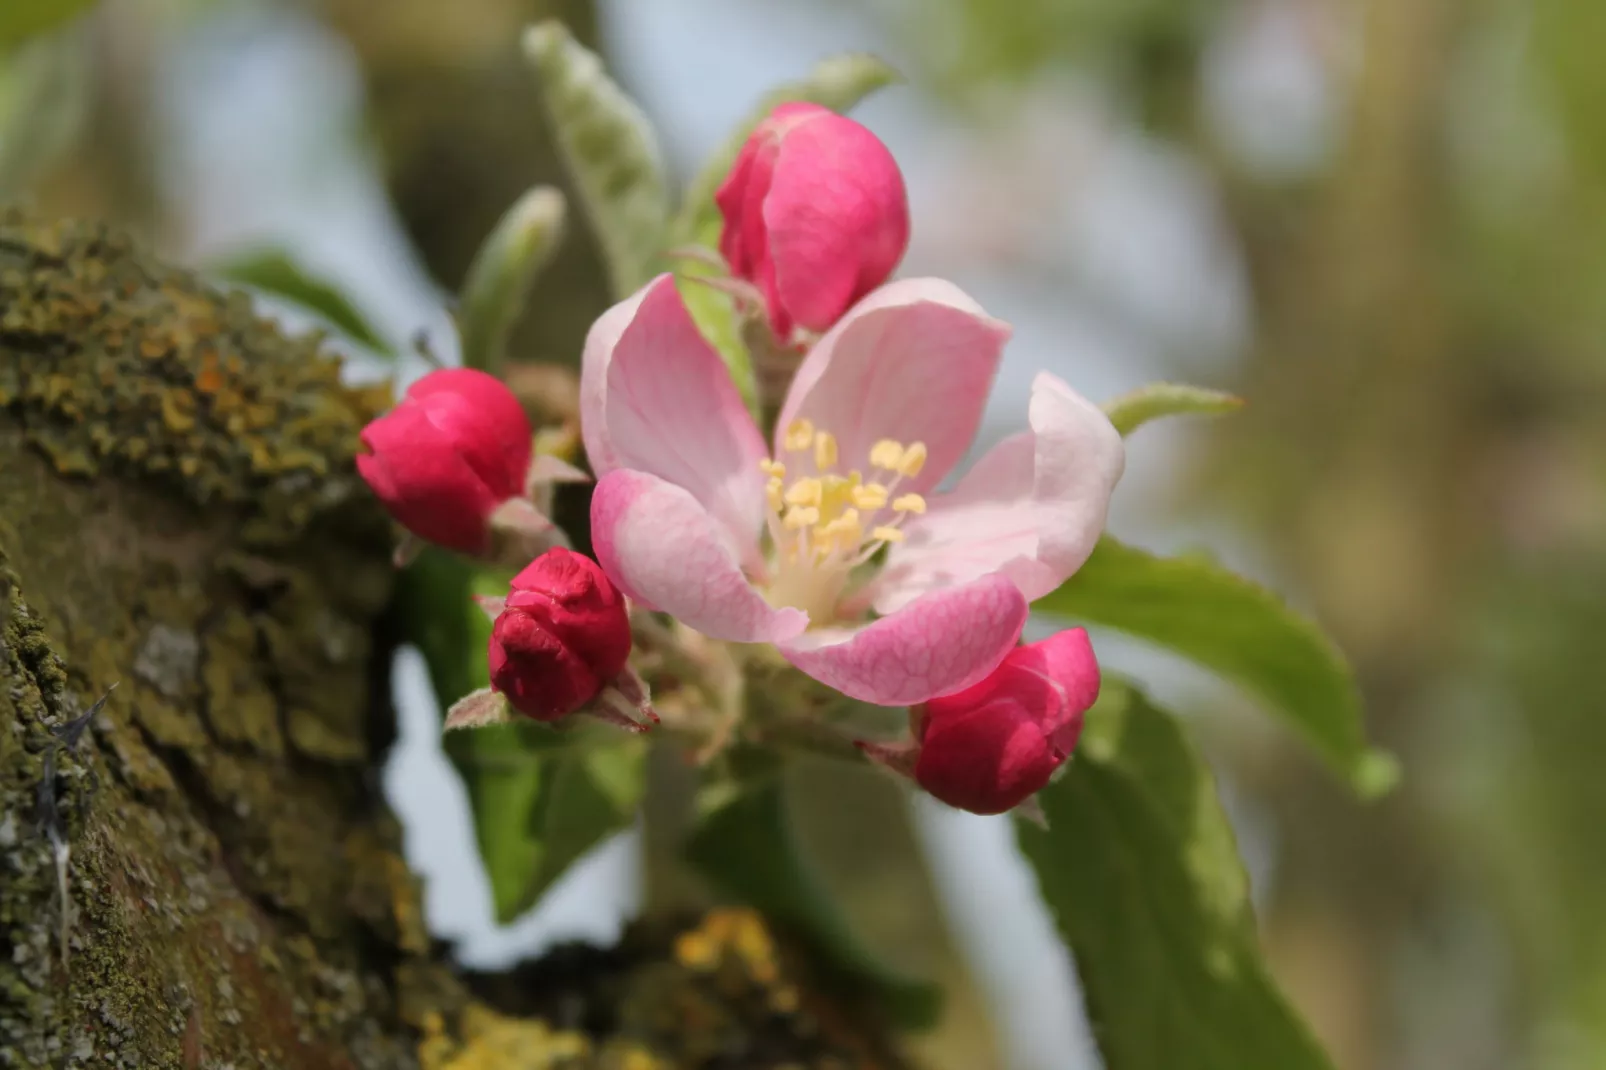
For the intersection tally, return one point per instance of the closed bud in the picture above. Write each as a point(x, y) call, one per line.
point(562, 636)
point(989, 748)
point(816, 215)
point(455, 449)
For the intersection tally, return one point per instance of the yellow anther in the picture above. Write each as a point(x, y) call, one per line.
point(886, 534)
point(804, 492)
point(773, 469)
point(772, 493)
point(799, 435)
point(909, 503)
point(800, 517)
point(913, 460)
point(872, 496)
point(846, 524)
point(824, 450)
point(886, 454)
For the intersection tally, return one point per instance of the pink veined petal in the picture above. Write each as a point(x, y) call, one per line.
point(936, 645)
point(662, 548)
point(1031, 509)
point(655, 397)
point(836, 216)
point(911, 362)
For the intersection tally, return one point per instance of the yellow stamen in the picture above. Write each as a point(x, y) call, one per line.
point(910, 503)
point(773, 469)
point(800, 517)
point(804, 492)
point(845, 529)
point(872, 496)
point(886, 534)
point(772, 493)
point(913, 460)
point(824, 450)
point(886, 454)
point(799, 435)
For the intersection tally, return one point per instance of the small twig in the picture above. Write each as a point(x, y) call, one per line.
point(49, 811)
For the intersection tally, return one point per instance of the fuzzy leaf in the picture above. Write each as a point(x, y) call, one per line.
point(1140, 869)
point(497, 286)
point(715, 315)
point(1240, 630)
point(274, 272)
point(1136, 408)
point(610, 151)
point(836, 82)
point(745, 846)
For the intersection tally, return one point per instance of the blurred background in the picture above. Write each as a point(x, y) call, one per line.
point(1383, 222)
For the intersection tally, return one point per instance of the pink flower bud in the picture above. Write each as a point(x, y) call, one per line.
point(988, 748)
point(561, 638)
point(456, 447)
point(815, 215)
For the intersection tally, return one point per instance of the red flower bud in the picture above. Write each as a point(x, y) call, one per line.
point(455, 448)
point(563, 636)
point(815, 215)
point(988, 748)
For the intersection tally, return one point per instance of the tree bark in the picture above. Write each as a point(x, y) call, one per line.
point(207, 873)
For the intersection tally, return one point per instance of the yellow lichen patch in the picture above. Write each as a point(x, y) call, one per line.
point(113, 361)
point(491, 1041)
point(726, 935)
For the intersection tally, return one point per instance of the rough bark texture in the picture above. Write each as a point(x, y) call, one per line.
point(203, 873)
point(178, 517)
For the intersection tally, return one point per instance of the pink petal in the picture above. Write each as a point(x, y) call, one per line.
point(665, 550)
point(939, 644)
point(424, 482)
point(656, 398)
point(1032, 508)
point(484, 421)
point(836, 216)
point(912, 362)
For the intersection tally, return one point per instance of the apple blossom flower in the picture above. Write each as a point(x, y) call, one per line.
point(836, 547)
point(990, 747)
point(815, 215)
point(452, 464)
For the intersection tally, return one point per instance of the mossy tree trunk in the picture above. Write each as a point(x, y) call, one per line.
point(207, 873)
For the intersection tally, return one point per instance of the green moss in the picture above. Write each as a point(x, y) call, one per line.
point(114, 363)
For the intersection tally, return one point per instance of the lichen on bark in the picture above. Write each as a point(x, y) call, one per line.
point(178, 516)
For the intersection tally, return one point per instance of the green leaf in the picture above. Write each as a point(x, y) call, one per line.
point(1239, 629)
point(498, 281)
point(1140, 869)
point(273, 272)
point(541, 796)
point(715, 315)
point(837, 82)
point(22, 19)
point(745, 846)
point(610, 151)
point(1136, 408)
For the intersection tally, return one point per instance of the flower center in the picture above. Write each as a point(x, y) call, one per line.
point(823, 527)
